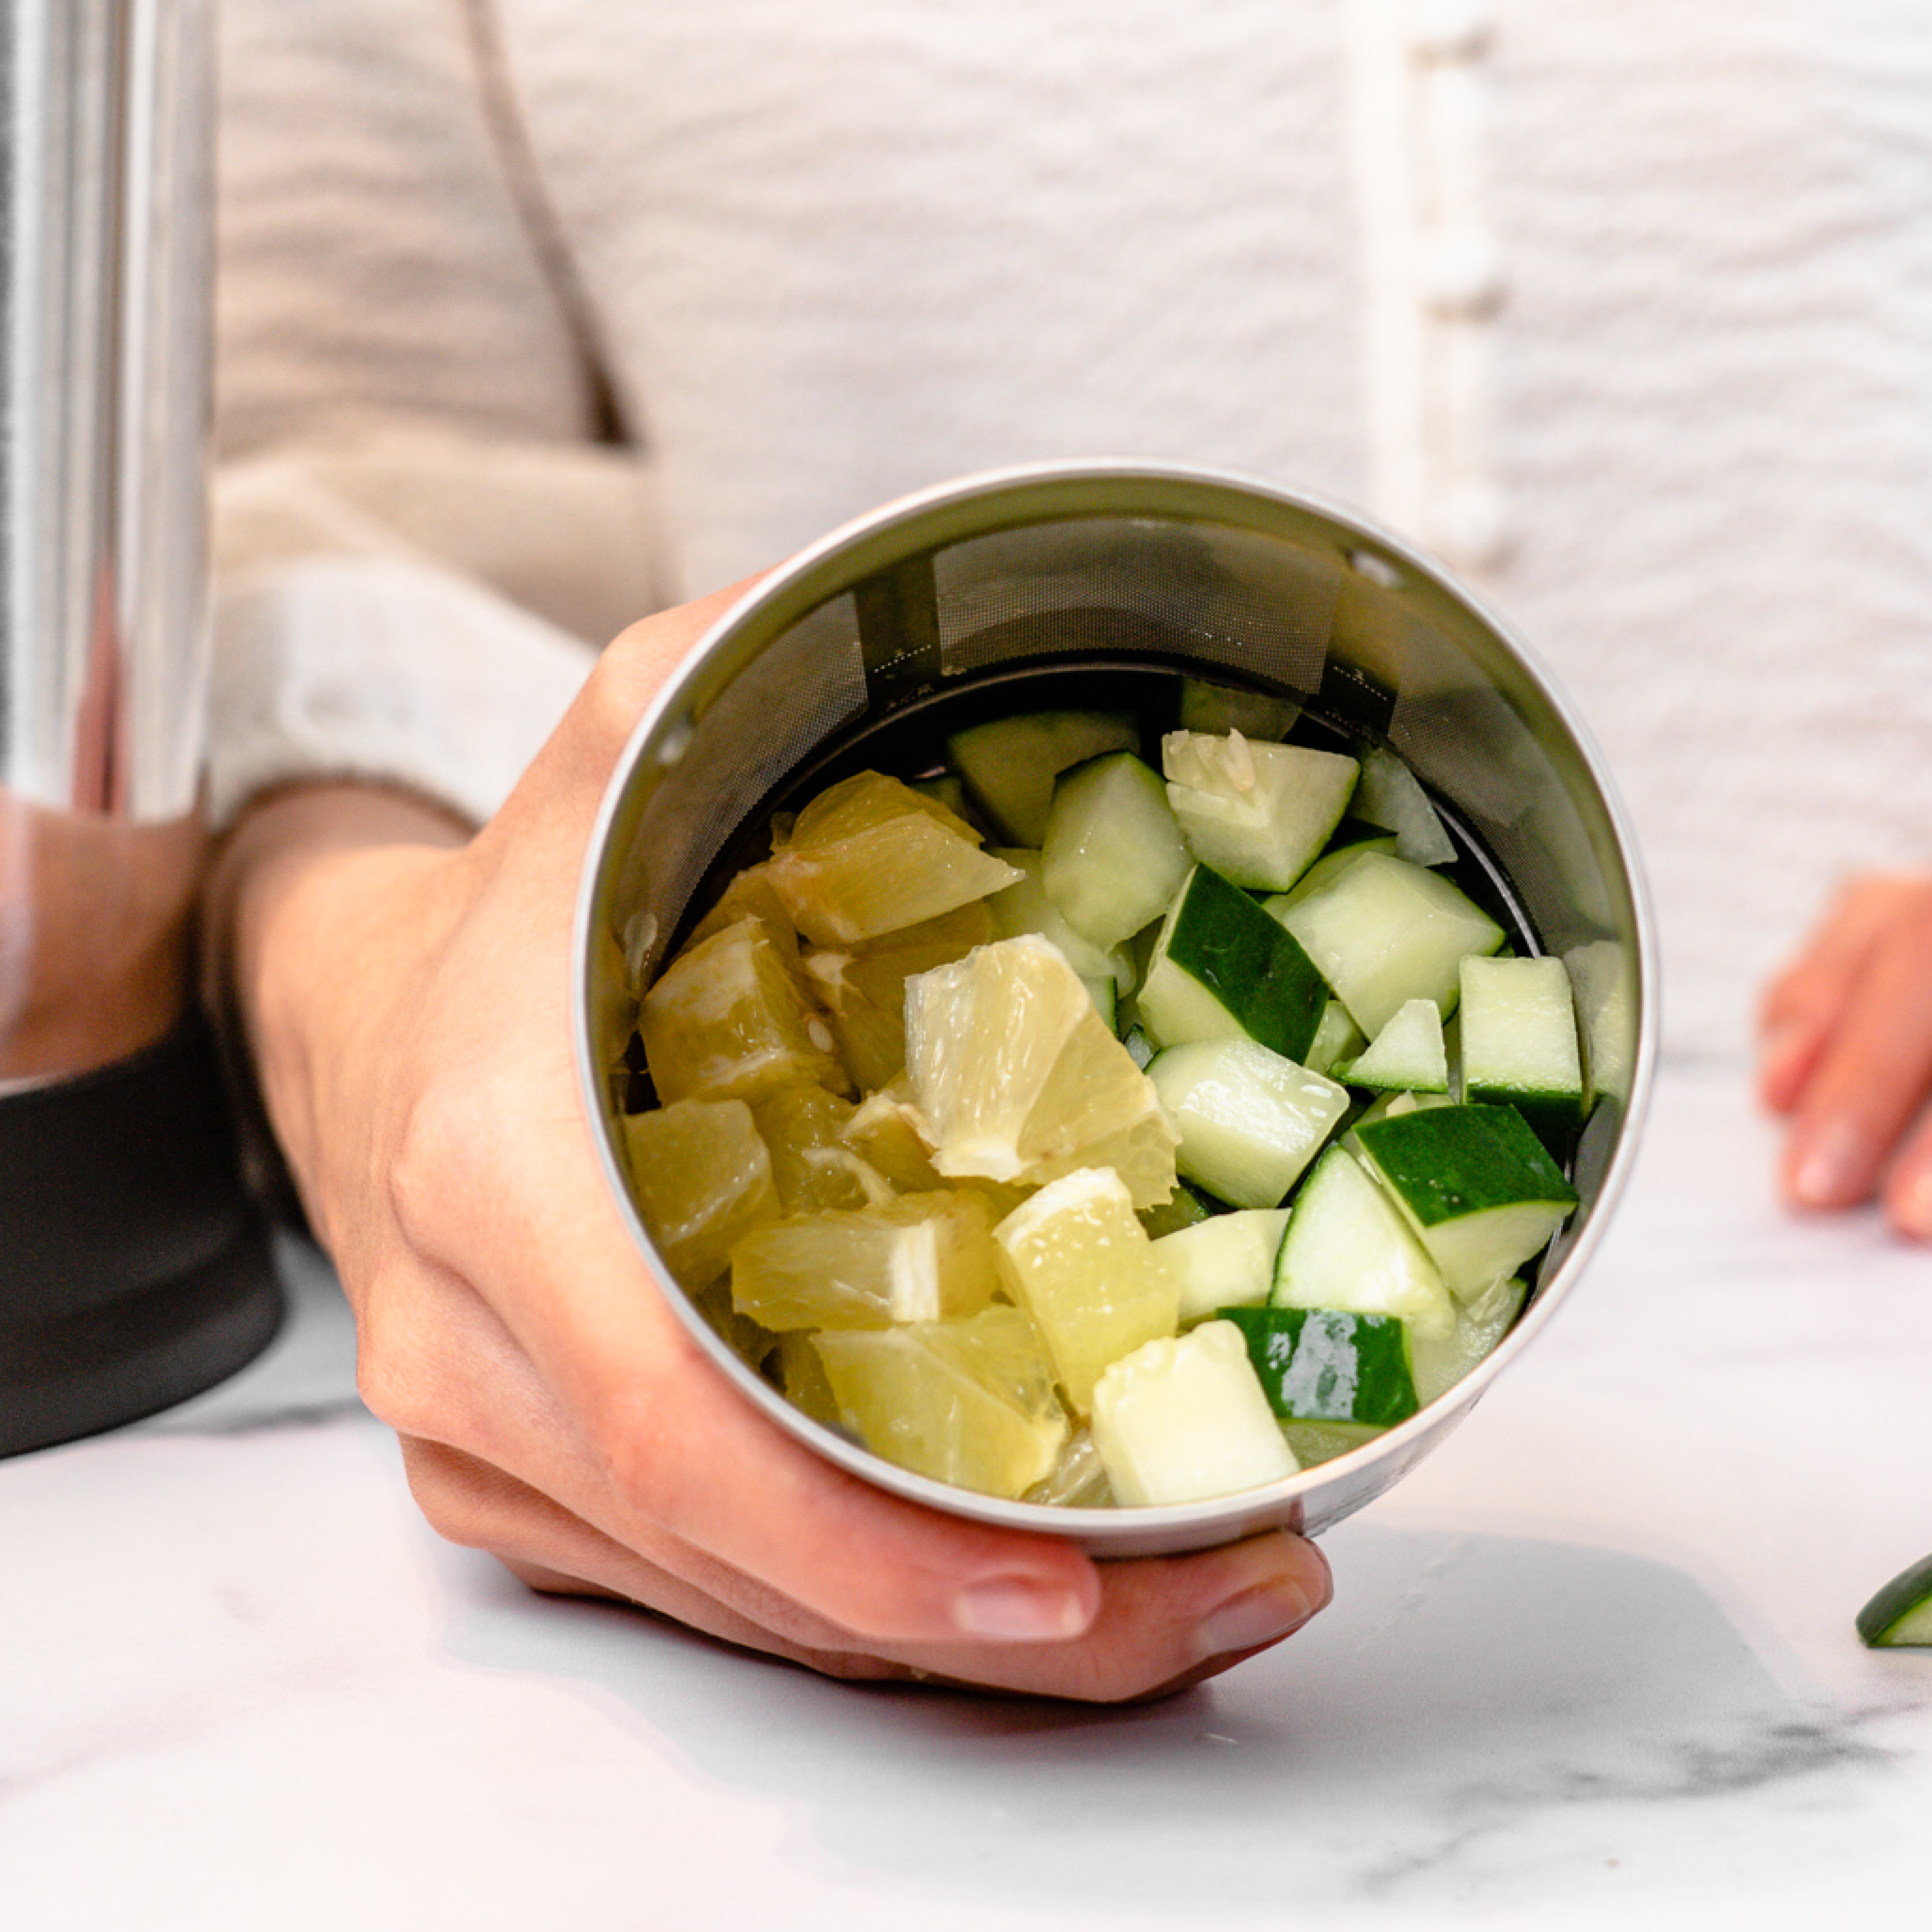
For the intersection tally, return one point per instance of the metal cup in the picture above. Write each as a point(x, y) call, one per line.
point(1028, 581)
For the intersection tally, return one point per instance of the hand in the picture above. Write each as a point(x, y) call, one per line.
point(407, 996)
point(1846, 1050)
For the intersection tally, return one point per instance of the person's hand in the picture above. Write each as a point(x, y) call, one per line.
point(407, 995)
point(1845, 1050)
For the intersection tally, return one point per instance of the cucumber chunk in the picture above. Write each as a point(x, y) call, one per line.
point(1258, 813)
point(1389, 794)
point(1009, 764)
point(1348, 1246)
point(1183, 1418)
point(1221, 707)
point(1329, 1364)
point(1222, 970)
point(1113, 856)
point(1025, 907)
point(1226, 1262)
point(1408, 1055)
point(1900, 1615)
point(1337, 1039)
point(1383, 931)
point(1249, 1120)
point(1600, 981)
point(1519, 1047)
point(1475, 1183)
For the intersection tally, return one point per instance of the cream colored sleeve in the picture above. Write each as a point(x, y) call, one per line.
point(417, 543)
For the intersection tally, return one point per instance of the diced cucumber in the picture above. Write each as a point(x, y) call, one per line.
point(1113, 855)
point(1475, 1183)
point(1106, 999)
point(1388, 793)
point(1407, 1056)
point(1249, 1120)
point(1340, 855)
point(1442, 1361)
point(1025, 907)
point(1329, 1364)
point(1183, 1208)
point(1258, 813)
point(1222, 970)
point(1313, 1442)
point(1383, 931)
point(1220, 707)
point(1225, 1262)
point(1900, 1615)
point(1599, 979)
point(1184, 1418)
point(1009, 764)
point(1337, 1038)
point(1348, 1246)
point(1519, 1045)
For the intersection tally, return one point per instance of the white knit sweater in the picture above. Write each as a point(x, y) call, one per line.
point(1622, 305)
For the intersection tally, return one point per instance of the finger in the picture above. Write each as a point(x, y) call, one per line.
point(1871, 1078)
point(1803, 1007)
point(1165, 1622)
point(1906, 1195)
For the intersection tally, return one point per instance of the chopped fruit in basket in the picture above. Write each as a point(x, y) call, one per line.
point(970, 1402)
point(872, 856)
point(1257, 813)
point(919, 1258)
point(702, 1180)
point(727, 1021)
point(803, 1128)
point(1185, 1418)
point(862, 989)
point(1083, 1267)
point(1016, 1078)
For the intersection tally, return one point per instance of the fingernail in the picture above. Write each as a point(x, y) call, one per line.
point(1018, 1609)
point(1828, 1169)
point(1256, 1616)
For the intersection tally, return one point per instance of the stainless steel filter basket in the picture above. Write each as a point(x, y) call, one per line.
point(1047, 586)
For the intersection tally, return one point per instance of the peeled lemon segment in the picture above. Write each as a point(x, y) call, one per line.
point(1015, 1077)
point(803, 1129)
point(1184, 1419)
point(969, 1402)
point(1083, 1268)
point(802, 1376)
point(871, 855)
point(920, 1258)
point(751, 895)
point(862, 989)
point(702, 1179)
point(884, 1134)
point(1258, 813)
point(751, 1342)
point(727, 1021)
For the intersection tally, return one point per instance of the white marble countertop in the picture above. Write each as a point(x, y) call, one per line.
point(1595, 1660)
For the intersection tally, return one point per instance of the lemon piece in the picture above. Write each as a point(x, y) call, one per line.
point(749, 1341)
point(1015, 1077)
point(803, 1130)
point(802, 1376)
point(883, 1132)
point(871, 855)
point(727, 1021)
point(919, 1258)
point(862, 990)
point(751, 895)
point(1083, 1268)
point(970, 1402)
point(702, 1179)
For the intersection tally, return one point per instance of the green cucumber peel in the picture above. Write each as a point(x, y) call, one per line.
point(1329, 1364)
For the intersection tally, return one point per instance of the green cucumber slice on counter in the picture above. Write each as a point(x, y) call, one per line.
point(1407, 1056)
point(1329, 1364)
point(1222, 970)
point(1519, 1045)
point(1383, 931)
point(1226, 1262)
point(1900, 1617)
point(1337, 1039)
point(1349, 1246)
point(1009, 764)
point(1220, 708)
point(1477, 1185)
point(1258, 813)
point(1389, 794)
point(1025, 907)
point(1249, 1120)
point(1113, 856)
